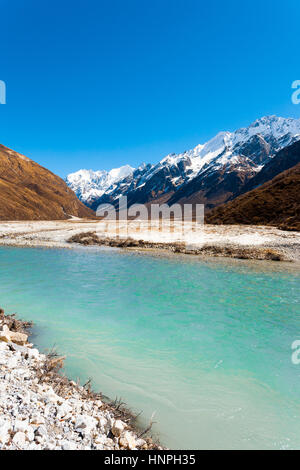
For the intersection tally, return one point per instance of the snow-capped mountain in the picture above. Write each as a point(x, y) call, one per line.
point(89, 185)
point(210, 173)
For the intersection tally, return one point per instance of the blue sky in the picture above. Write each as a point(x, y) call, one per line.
point(97, 84)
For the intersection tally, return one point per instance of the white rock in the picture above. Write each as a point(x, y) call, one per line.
point(63, 410)
point(20, 425)
point(5, 427)
point(100, 439)
point(118, 427)
point(33, 446)
point(99, 447)
point(30, 434)
point(85, 424)
point(3, 345)
point(33, 353)
point(41, 432)
point(53, 397)
point(68, 445)
point(127, 440)
point(140, 442)
point(104, 425)
point(19, 440)
point(4, 334)
point(15, 337)
point(37, 419)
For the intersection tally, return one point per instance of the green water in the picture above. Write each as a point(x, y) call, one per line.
point(204, 344)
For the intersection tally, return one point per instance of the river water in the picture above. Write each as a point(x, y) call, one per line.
point(205, 344)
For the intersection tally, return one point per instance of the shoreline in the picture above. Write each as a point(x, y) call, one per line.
point(241, 242)
point(42, 409)
point(229, 251)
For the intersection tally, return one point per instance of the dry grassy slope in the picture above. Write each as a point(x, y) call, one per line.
point(276, 202)
point(30, 192)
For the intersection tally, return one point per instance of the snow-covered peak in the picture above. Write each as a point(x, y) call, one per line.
point(269, 126)
point(119, 173)
point(278, 131)
point(89, 184)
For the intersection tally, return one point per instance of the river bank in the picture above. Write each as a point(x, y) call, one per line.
point(43, 409)
point(246, 242)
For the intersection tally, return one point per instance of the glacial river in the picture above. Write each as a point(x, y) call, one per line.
point(205, 344)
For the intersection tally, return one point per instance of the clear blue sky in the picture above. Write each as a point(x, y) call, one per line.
point(97, 84)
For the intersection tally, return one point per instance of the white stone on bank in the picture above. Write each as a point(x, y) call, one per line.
point(34, 417)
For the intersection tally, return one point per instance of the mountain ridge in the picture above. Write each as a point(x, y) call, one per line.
point(210, 173)
point(29, 191)
point(264, 205)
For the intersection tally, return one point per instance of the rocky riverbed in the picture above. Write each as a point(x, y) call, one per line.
point(234, 241)
point(41, 409)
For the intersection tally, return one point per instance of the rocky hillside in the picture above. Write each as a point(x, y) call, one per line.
point(30, 192)
point(276, 202)
point(283, 160)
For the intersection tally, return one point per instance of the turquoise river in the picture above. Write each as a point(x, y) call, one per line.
point(205, 344)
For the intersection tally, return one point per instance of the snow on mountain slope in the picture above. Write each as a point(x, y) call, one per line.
point(89, 184)
point(238, 155)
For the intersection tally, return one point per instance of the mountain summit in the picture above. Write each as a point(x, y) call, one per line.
point(89, 185)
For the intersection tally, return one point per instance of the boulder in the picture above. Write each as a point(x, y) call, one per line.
point(15, 337)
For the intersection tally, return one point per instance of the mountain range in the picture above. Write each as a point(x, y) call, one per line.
point(212, 173)
point(250, 176)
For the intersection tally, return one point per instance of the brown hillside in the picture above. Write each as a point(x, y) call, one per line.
point(30, 192)
point(277, 203)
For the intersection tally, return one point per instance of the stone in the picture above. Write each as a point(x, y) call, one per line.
point(7, 336)
point(140, 443)
point(33, 353)
point(4, 334)
point(3, 345)
point(104, 425)
point(63, 410)
point(30, 434)
point(85, 424)
point(118, 427)
point(34, 446)
point(16, 347)
point(18, 338)
point(100, 439)
point(127, 441)
point(21, 425)
point(19, 439)
point(5, 427)
point(41, 432)
point(37, 419)
point(68, 445)
point(52, 397)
